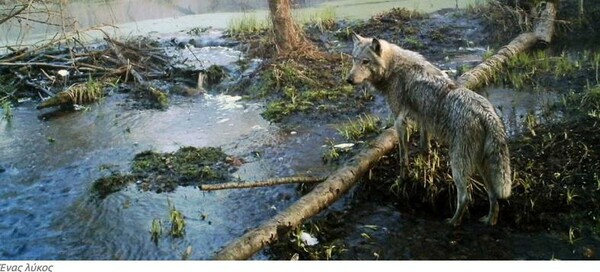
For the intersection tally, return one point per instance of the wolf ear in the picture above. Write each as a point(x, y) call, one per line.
point(356, 38)
point(376, 46)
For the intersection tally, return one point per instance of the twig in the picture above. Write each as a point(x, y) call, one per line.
point(43, 64)
point(10, 16)
point(262, 183)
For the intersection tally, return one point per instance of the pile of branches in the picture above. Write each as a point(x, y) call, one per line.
point(57, 73)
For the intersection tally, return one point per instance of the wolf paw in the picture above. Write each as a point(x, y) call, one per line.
point(487, 220)
point(452, 221)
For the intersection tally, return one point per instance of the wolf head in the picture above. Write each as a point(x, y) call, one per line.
point(368, 62)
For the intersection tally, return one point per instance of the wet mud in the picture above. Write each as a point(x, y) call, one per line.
point(553, 212)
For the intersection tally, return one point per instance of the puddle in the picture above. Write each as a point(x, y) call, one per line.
point(514, 107)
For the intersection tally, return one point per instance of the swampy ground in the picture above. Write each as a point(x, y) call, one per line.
point(554, 212)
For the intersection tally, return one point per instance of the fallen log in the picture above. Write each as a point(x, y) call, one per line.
point(342, 180)
point(483, 73)
point(321, 197)
point(262, 183)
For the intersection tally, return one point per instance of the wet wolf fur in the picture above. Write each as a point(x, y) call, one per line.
point(466, 121)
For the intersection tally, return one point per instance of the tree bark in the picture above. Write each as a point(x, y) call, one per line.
point(322, 196)
point(288, 35)
point(342, 180)
point(262, 183)
point(483, 73)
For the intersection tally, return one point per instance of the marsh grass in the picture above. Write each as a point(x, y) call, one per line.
point(248, 25)
point(323, 19)
point(177, 219)
point(156, 230)
point(7, 110)
point(303, 86)
point(358, 129)
point(540, 69)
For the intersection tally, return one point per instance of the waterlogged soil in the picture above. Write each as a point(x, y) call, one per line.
point(552, 214)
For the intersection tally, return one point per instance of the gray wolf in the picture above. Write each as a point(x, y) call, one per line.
point(466, 121)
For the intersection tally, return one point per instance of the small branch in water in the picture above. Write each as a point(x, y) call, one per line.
point(262, 183)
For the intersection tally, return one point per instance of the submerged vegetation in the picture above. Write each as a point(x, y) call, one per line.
point(163, 172)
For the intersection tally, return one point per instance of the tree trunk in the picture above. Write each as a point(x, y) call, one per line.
point(342, 180)
point(288, 35)
point(321, 197)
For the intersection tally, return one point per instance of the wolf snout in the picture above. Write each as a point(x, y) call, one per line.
point(350, 80)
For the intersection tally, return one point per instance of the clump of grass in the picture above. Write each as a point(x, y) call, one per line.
point(163, 172)
point(331, 153)
point(323, 19)
point(247, 25)
point(488, 54)
point(177, 222)
point(105, 186)
point(186, 164)
point(156, 230)
point(295, 87)
point(6, 109)
point(530, 122)
point(358, 129)
point(571, 195)
point(528, 70)
point(401, 14)
point(79, 93)
point(215, 74)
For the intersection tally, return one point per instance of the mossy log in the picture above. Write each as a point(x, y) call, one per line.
point(542, 33)
point(81, 93)
point(338, 183)
point(321, 197)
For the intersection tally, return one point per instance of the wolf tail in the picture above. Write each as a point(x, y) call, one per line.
point(497, 158)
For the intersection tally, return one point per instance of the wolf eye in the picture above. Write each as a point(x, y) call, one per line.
point(365, 61)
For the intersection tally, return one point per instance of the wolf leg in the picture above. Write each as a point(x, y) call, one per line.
point(424, 141)
point(460, 175)
point(492, 216)
point(401, 126)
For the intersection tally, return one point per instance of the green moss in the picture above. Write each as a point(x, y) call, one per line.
point(107, 185)
point(215, 74)
point(160, 98)
point(163, 172)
